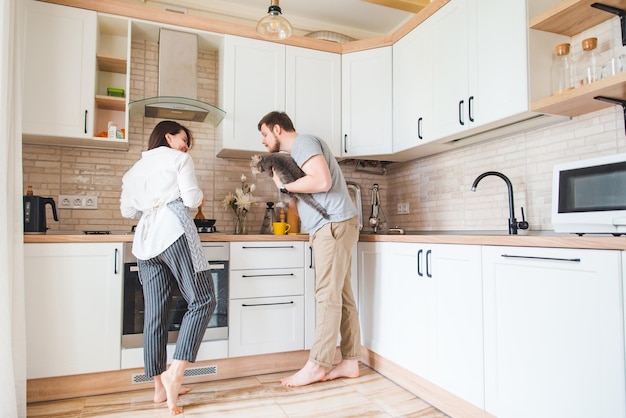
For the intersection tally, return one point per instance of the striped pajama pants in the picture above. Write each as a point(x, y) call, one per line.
point(159, 276)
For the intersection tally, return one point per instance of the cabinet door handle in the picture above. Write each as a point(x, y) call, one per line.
point(115, 269)
point(86, 121)
point(529, 257)
point(345, 143)
point(247, 276)
point(419, 128)
point(419, 266)
point(311, 252)
point(461, 103)
point(429, 273)
point(265, 248)
point(470, 108)
point(266, 304)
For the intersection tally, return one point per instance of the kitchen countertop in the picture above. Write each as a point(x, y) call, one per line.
point(470, 237)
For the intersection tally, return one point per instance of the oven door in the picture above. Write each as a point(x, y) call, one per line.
point(133, 309)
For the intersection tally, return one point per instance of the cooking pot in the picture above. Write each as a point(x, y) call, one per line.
point(35, 214)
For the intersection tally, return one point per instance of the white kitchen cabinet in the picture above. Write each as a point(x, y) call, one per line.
point(73, 308)
point(412, 89)
point(421, 307)
point(480, 64)
point(59, 71)
point(266, 302)
point(367, 102)
point(554, 333)
point(375, 299)
point(71, 57)
point(252, 84)
point(313, 94)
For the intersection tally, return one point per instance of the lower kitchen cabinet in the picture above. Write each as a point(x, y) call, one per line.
point(421, 307)
point(73, 308)
point(266, 302)
point(554, 333)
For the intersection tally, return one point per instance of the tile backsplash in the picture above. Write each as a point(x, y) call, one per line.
point(437, 188)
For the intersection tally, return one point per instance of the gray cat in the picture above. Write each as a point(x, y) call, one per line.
point(287, 171)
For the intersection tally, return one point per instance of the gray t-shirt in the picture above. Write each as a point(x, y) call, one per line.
point(336, 201)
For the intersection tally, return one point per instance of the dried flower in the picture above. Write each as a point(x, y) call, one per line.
point(242, 200)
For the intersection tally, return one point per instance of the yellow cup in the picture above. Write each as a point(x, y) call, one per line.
point(280, 228)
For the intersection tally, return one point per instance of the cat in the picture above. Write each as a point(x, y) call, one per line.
point(287, 171)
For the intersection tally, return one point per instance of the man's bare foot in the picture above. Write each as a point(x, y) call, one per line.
point(345, 368)
point(161, 396)
point(172, 387)
point(310, 373)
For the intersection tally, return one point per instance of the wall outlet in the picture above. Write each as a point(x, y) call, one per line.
point(403, 208)
point(77, 202)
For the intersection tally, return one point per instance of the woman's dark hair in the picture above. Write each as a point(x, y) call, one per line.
point(157, 137)
point(277, 118)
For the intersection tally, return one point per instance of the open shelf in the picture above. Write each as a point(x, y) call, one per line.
point(111, 103)
point(111, 64)
point(581, 100)
point(571, 17)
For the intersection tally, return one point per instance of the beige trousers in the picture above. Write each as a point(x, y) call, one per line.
point(336, 310)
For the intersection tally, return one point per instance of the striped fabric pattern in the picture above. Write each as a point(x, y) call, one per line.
point(158, 277)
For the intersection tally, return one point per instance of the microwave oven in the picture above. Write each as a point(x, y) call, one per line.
point(589, 196)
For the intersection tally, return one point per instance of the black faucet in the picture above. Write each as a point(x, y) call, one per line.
point(513, 224)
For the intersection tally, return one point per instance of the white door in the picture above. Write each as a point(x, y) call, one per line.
point(73, 308)
point(367, 102)
point(59, 71)
point(253, 80)
point(313, 89)
point(554, 333)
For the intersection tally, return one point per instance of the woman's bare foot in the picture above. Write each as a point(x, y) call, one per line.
point(159, 390)
point(310, 373)
point(172, 387)
point(345, 368)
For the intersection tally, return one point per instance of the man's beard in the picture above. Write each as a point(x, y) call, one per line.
point(275, 146)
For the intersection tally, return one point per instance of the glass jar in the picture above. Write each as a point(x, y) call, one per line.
point(563, 70)
point(589, 68)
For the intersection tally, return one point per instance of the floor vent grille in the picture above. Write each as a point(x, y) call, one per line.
point(190, 372)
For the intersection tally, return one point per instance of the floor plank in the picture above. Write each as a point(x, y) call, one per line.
point(370, 395)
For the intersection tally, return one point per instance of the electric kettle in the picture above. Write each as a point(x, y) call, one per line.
point(35, 214)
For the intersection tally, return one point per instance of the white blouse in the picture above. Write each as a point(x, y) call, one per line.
point(162, 175)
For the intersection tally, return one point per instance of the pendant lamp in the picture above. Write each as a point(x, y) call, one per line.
point(274, 26)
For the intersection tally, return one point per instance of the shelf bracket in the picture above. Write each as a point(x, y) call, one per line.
point(620, 12)
point(615, 102)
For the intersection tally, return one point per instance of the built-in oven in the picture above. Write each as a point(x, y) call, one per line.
point(217, 254)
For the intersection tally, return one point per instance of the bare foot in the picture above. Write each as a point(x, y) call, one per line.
point(310, 373)
point(172, 387)
point(161, 396)
point(346, 368)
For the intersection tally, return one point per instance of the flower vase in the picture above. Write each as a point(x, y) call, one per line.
point(241, 225)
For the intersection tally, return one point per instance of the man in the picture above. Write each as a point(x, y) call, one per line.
point(332, 241)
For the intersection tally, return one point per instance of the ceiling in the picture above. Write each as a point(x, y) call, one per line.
point(355, 18)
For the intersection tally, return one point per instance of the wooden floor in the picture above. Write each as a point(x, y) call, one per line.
point(370, 395)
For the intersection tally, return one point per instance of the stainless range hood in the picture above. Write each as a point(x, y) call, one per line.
point(178, 83)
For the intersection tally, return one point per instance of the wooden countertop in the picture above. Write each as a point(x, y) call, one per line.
point(532, 239)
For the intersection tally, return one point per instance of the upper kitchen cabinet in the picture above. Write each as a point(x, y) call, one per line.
point(480, 77)
point(313, 94)
point(367, 103)
point(252, 84)
point(60, 92)
point(412, 89)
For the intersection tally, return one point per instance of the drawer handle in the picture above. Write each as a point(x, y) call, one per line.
point(266, 275)
point(265, 248)
point(266, 304)
point(575, 260)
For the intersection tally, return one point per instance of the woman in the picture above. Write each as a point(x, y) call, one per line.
point(160, 188)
